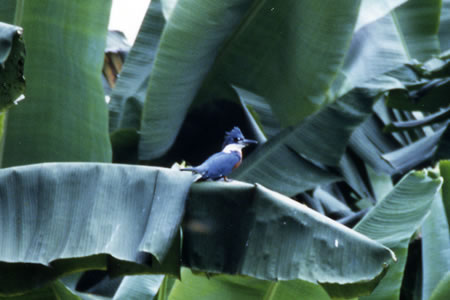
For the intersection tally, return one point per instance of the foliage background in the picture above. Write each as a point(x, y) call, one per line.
point(347, 100)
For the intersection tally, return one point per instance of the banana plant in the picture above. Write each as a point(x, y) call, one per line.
point(332, 205)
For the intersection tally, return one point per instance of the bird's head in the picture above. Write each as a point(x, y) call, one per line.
point(235, 136)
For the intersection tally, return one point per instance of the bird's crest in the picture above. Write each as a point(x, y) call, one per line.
point(232, 136)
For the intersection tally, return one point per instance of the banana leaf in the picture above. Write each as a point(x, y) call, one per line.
point(427, 90)
point(435, 239)
point(52, 291)
point(248, 230)
point(139, 287)
point(435, 248)
point(236, 42)
point(64, 116)
point(58, 218)
point(444, 31)
point(12, 56)
point(438, 117)
point(444, 167)
point(188, 46)
point(224, 287)
point(371, 11)
point(443, 289)
point(295, 160)
point(7, 11)
point(129, 93)
point(412, 155)
point(394, 220)
point(404, 33)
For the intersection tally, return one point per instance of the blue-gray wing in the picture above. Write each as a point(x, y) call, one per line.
point(218, 165)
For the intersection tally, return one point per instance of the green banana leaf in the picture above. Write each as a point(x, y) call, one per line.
point(263, 114)
point(166, 287)
point(188, 46)
point(331, 205)
point(12, 56)
point(435, 248)
point(139, 287)
point(426, 88)
point(224, 287)
point(443, 289)
point(444, 31)
point(418, 24)
point(7, 34)
point(350, 167)
point(408, 157)
point(248, 230)
point(381, 183)
point(400, 34)
point(294, 160)
point(444, 167)
point(394, 220)
point(438, 117)
point(52, 291)
point(369, 143)
point(64, 115)
point(436, 240)
point(7, 11)
point(129, 93)
point(241, 54)
point(371, 11)
point(58, 218)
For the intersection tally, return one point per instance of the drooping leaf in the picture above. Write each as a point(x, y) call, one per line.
point(64, 217)
point(129, 94)
point(238, 229)
point(394, 220)
point(12, 56)
point(64, 117)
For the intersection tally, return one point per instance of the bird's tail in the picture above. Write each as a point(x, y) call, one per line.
point(189, 169)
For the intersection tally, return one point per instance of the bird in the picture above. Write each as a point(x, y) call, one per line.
point(221, 164)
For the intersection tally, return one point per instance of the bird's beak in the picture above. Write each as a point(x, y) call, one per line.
point(248, 142)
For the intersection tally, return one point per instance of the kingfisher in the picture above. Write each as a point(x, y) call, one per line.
point(221, 164)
